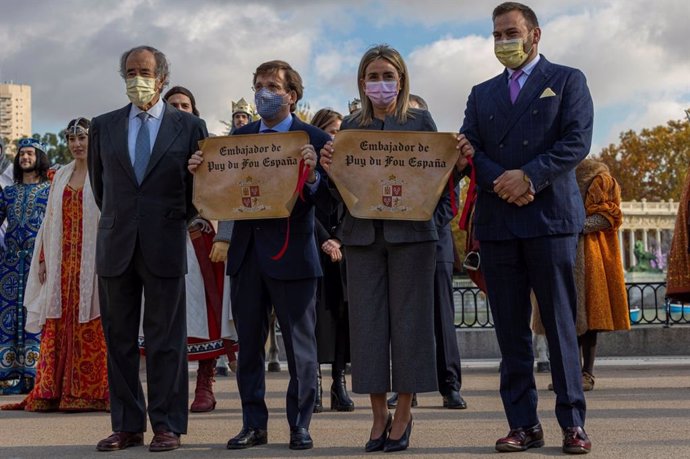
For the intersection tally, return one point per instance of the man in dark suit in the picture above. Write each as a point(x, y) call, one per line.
point(530, 127)
point(137, 166)
point(261, 280)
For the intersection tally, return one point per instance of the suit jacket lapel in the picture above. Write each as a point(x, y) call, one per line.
point(533, 88)
point(296, 124)
point(118, 132)
point(500, 93)
point(167, 133)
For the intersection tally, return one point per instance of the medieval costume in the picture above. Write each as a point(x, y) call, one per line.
point(23, 205)
point(602, 300)
point(72, 366)
point(678, 276)
point(241, 107)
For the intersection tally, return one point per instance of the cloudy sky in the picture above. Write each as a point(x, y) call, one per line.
point(635, 53)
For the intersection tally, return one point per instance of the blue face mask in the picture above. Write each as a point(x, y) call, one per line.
point(268, 104)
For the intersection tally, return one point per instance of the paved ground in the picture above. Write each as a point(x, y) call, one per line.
point(639, 409)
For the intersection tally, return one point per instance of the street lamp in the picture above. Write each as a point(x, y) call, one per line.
point(687, 113)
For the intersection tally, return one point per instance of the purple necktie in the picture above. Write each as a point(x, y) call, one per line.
point(514, 85)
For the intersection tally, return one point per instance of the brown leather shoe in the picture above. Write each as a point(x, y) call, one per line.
point(164, 441)
point(576, 441)
point(120, 440)
point(521, 439)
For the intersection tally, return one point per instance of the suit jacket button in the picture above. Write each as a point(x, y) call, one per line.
point(500, 146)
point(491, 117)
point(525, 142)
point(534, 112)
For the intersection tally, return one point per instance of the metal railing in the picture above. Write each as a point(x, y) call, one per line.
point(646, 302)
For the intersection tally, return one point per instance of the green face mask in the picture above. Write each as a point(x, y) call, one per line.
point(511, 53)
point(141, 90)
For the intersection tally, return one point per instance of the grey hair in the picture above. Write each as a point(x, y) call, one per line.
point(162, 66)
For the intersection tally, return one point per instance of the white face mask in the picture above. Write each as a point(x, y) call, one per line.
point(511, 53)
point(141, 90)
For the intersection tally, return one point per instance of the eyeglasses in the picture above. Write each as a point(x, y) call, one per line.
point(272, 87)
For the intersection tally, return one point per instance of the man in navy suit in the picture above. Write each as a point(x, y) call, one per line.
point(530, 127)
point(288, 284)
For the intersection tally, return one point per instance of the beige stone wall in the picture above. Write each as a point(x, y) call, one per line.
point(15, 112)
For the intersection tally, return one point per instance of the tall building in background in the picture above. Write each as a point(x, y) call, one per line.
point(15, 112)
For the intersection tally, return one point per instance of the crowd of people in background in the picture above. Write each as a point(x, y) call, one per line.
point(107, 260)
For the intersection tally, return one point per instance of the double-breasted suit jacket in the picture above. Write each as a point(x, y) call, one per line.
point(546, 133)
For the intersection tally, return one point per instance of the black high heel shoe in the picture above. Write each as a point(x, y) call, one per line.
point(400, 444)
point(377, 443)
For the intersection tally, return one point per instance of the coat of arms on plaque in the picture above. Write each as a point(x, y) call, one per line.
point(392, 195)
point(250, 191)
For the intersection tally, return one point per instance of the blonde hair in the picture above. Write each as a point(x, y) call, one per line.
point(366, 115)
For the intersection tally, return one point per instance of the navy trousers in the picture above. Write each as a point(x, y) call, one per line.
point(512, 268)
point(253, 294)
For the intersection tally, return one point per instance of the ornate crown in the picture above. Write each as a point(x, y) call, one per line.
point(242, 106)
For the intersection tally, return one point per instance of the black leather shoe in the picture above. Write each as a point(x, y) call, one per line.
point(300, 438)
point(393, 400)
point(454, 401)
point(521, 439)
point(400, 444)
point(247, 438)
point(376, 444)
point(576, 441)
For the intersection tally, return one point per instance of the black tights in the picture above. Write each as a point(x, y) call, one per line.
point(588, 349)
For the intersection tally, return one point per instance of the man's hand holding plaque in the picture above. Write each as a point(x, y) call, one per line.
point(246, 177)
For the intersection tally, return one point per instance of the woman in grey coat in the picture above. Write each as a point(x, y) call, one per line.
point(390, 270)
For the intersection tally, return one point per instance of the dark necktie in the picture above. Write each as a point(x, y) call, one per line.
point(515, 85)
point(142, 148)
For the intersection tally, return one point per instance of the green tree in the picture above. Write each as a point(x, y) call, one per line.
point(652, 164)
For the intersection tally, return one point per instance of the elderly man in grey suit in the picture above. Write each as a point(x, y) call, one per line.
point(138, 169)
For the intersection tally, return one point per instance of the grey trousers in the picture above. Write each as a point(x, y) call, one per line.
point(391, 295)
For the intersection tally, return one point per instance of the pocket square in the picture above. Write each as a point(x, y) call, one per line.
point(548, 92)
